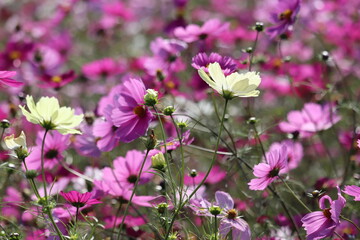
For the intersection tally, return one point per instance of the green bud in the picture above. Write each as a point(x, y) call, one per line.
point(182, 125)
point(259, 26)
point(21, 153)
point(151, 141)
point(2, 233)
point(4, 123)
point(151, 97)
point(162, 207)
point(14, 236)
point(325, 56)
point(169, 110)
point(158, 161)
point(193, 173)
point(249, 50)
point(252, 121)
point(11, 168)
point(215, 210)
point(173, 236)
point(31, 174)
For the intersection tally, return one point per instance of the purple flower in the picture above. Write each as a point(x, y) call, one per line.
point(79, 200)
point(126, 169)
point(167, 49)
point(86, 144)
point(284, 17)
point(353, 191)
point(54, 147)
point(229, 219)
point(322, 224)
point(211, 28)
point(130, 114)
point(294, 152)
point(6, 78)
point(202, 60)
point(266, 173)
point(312, 118)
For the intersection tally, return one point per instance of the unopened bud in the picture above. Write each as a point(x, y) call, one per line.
point(193, 173)
point(31, 174)
point(162, 207)
point(169, 110)
point(215, 210)
point(4, 123)
point(151, 141)
point(151, 97)
point(252, 120)
point(259, 26)
point(158, 161)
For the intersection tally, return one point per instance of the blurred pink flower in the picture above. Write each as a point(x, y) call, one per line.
point(354, 191)
point(6, 78)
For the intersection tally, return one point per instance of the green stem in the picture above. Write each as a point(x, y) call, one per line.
point(253, 50)
point(206, 175)
point(182, 172)
point(1, 137)
point(350, 221)
point(165, 154)
point(216, 228)
point(295, 196)
point(133, 192)
point(42, 165)
point(260, 142)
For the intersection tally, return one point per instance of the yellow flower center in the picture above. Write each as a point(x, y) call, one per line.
point(140, 111)
point(14, 55)
point(231, 214)
point(56, 79)
point(286, 15)
point(170, 84)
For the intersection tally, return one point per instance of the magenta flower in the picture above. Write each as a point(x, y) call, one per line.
point(354, 191)
point(284, 17)
point(322, 224)
point(294, 151)
point(267, 172)
point(54, 147)
point(57, 81)
point(130, 114)
point(312, 118)
point(202, 60)
point(6, 78)
point(86, 143)
point(102, 68)
point(229, 219)
point(212, 28)
point(79, 200)
point(126, 169)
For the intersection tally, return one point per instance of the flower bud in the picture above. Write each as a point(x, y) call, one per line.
point(215, 210)
point(18, 145)
point(249, 50)
point(325, 56)
point(14, 236)
point(162, 207)
point(158, 161)
point(31, 174)
point(252, 121)
point(182, 125)
point(4, 123)
point(151, 97)
point(259, 26)
point(11, 168)
point(169, 110)
point(193, 173)
point(151, 141)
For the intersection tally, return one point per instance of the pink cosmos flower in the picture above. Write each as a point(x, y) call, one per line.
point(202, 60)
point(354, 191)
point(79, 200)
point(126, 169)
point(312, 118)
point(284, 17)
point(322, 224)
point(102, 68)
point(6, 78)
point(212, 28)
point(55, 145)
point(130, 114)
point(57, 81)
point(229, 219)
point(268, 172)
point(86, 143)
point(294, 151)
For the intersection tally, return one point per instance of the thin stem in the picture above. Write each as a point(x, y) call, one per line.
point(1, 137)
point(206, 175)
point(182, 172)
point(54, 224)
point(332, 161)
point(339, 236)
point(133, 192)
point(76, 216)
point(260, 142)
point(350, 221)
point(117, 214)
point(295, 196)
point(165, 154)
point(216, 227)
point(253, 50)
point(42, 165)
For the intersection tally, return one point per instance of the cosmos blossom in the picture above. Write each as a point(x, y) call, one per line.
point(79, 200)
point(130, 114)
point(234, 85)
point(266, 173)
point(354, 191)
point(322, 224)
point(6, 78)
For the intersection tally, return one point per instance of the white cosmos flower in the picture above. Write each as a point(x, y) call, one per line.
point(51, 116)
point(234, 85)
point(18, 145)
